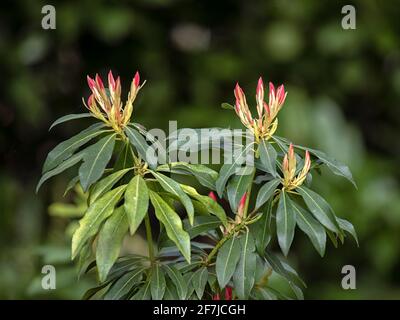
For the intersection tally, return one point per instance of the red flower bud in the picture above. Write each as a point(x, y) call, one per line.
point(228, 293)
point(136, 79)
point(99, 82)
point(213, 196)
point(90, 82)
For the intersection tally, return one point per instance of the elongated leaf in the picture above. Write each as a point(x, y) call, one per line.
point(145, 151)
point(262, 229)
point(124, 285)
point(311, 227)
point(199, 281)
point(144, 292)
point(237, 186)
point(174, 188)
point(177, 279)
point(244, 276)
point(268, 157)
point(110, 240)
point(96, 158)
point(210, 204)
point(321, 210)
point(202, 225)
point(125, 157)
point(170, 291)
point(227, 170)
point(348, 227)
point(206, 176)
point(285, 223)
point(227, 258)
point(66, 148)
point(94, 216)
point(172, 223)
point(69, 117)
point(266, 192)
point(136, 202)
point(106, 184)
point(158, 285)
point(62, 167)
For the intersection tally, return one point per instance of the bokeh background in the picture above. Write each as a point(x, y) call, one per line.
point(344, 93)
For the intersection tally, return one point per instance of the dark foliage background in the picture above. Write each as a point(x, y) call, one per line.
point(344, 90)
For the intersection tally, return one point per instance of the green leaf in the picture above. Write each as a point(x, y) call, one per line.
point(237, 186)
point(178, 280)
point(157, 283)
point(106, 184)
point(285, 222)
point(94, 216)
point(210, 204)
point(69, 117)
point(199, 281)
point(244, 276)
point(136, 202)
point(311, 227)
point(266, 192)
point(202, 225)
point(71, 184)
point(124, 285)
point(125, 157)
point(348, 227)
point(320, 209)
point(95, 160)
point(172, 223)
point(143, 149)
point(144, 292)
point(62, 167)
point(66, 148)
point(227, 106)
point(206, 176)
point(174, 188)
point(227, 170)
point(109, 241)
point(268, 157)
point(170, 291)
point(335, 166)
point(262, 229)
point(227, 258)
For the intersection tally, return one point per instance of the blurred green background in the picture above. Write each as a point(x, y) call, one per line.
point(344, 89)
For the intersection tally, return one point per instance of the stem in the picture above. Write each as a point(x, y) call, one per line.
point(222, 241)
point(149, 237)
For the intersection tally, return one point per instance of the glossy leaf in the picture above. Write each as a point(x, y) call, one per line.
point(262, 229)
point(62, 167)
point(227, 258)
point(177, 279)
point(202, 225)
point(143, 149)
point(268, 157)
point(266, 192)
point(237, 187)
point(206, 176)
point(227, 170)
point(210, 204)
point(311, 227)
point(106, 184)
point(94, 216)
point(66, 148)
point(110, 240)
point(172, 223)
point(136, 202)
point(285, 222)
point(95, 160)
point(244, 276)
point(157, 283)
point(199, 281)
point(321, 210)
point(124, 285)
point(348, 227)
point(174, 188)
point(70, 117)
